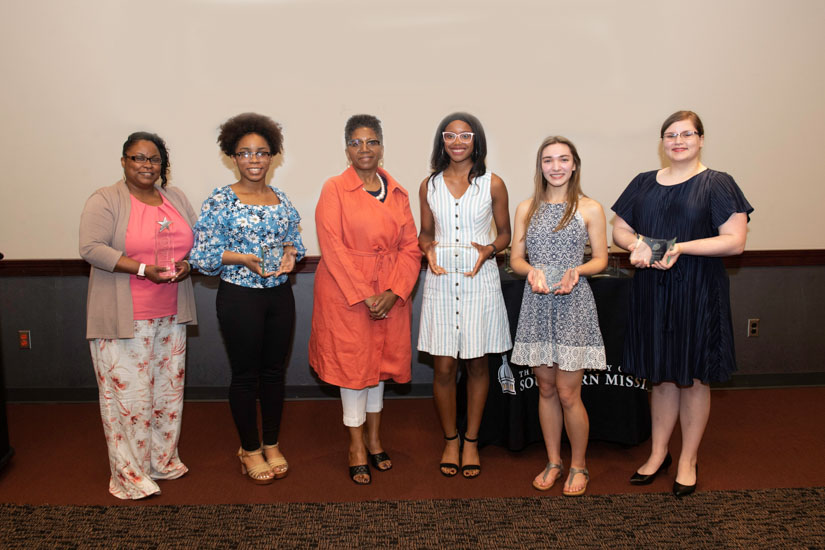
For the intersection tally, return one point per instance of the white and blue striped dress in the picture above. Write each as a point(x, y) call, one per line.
point(462, 316)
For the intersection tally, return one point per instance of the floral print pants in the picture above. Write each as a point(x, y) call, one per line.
point(140, 383)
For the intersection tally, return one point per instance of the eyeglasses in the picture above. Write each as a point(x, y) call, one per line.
point(463, 137)
point(142, 159)
point(246, 155)
point(686, 134)
point(356, 143)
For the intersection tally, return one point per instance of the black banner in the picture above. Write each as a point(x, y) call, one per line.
point(616, 403)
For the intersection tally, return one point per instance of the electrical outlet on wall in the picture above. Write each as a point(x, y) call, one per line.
point(24, 339)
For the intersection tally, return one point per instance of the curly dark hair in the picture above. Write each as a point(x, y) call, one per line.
point(363, 121)
point(250, 123)
point(134, 137)
point(440, 160)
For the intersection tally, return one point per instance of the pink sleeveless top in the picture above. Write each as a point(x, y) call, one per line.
point(154, 232)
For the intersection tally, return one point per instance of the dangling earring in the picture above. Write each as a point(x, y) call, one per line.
point(381, 163)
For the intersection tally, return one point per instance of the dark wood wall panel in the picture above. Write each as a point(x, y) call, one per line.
point(750, 258)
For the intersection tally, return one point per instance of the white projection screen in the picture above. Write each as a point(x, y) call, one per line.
point(79, 76)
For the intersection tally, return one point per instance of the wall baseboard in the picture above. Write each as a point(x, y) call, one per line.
point(749, 258)
point(787, 380)
point(206, 393)
point(392, 391)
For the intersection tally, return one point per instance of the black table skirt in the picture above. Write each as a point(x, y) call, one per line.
point(616, 403)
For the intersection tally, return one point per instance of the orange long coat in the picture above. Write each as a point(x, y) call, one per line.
point(367, 247)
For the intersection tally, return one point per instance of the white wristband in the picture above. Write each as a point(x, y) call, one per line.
point(141, 270)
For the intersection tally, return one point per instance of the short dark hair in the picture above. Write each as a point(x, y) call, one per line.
point(134, 137)
point(250, 123)
point(683, 115)
point(440, 160)
point(363, 121)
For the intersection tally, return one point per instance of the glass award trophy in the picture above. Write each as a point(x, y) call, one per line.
point(456, 258)
point(658, 247)
point(271, 256)
point(553, 273)
point(165, 249)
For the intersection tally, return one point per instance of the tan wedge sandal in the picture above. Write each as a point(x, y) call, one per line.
point(260, 474)
point(278, 465)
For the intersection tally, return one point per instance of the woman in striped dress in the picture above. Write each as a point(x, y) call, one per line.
point(463, 314)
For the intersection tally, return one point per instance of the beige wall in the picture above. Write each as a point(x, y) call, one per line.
point(78, 76)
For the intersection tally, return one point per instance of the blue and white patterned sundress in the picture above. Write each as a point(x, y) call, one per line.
point(562, 329)
point(462, 316)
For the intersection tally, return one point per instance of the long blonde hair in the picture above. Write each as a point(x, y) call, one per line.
point(574, 190)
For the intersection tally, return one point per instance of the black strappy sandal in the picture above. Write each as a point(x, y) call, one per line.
point(474, 470)
point(449, 465)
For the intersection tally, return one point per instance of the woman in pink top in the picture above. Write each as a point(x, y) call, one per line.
point(136, 235)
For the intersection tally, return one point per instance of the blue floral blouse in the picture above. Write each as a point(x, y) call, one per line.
point(225, 223)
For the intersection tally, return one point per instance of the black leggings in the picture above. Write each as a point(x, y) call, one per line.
point(257, 326)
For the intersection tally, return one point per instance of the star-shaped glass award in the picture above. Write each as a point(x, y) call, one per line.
point(164, 224)
point(165, 249)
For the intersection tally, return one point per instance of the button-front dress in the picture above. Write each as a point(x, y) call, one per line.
point(463, 316)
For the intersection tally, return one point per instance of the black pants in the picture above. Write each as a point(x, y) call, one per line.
point(257, 325)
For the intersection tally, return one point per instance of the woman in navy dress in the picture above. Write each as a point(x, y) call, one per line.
point(679, 334)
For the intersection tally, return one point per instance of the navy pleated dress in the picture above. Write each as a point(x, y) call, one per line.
point(679, 320)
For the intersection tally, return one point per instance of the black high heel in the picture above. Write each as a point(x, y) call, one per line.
point(379, 458)
point(449, 465)
point(647, 479)
point(470, 471)
point(680, 490)
point(360, 470)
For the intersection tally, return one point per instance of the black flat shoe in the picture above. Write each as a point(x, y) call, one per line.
point(360, 470)
point(647, 479)
point(680, 490)
point(377, 459)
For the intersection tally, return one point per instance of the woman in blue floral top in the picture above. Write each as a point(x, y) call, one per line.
point(247, 233)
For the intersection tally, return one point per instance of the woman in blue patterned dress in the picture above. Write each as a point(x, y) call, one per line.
point(463, 312)
point(255, 305)
point(679, 333)
point(558, 329)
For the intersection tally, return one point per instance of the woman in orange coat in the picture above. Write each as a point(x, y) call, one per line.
point(361, 315)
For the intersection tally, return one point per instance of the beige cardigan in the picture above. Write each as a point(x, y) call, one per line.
point(102, 242)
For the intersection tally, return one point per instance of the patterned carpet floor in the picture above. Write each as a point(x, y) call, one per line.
point(767, 518)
